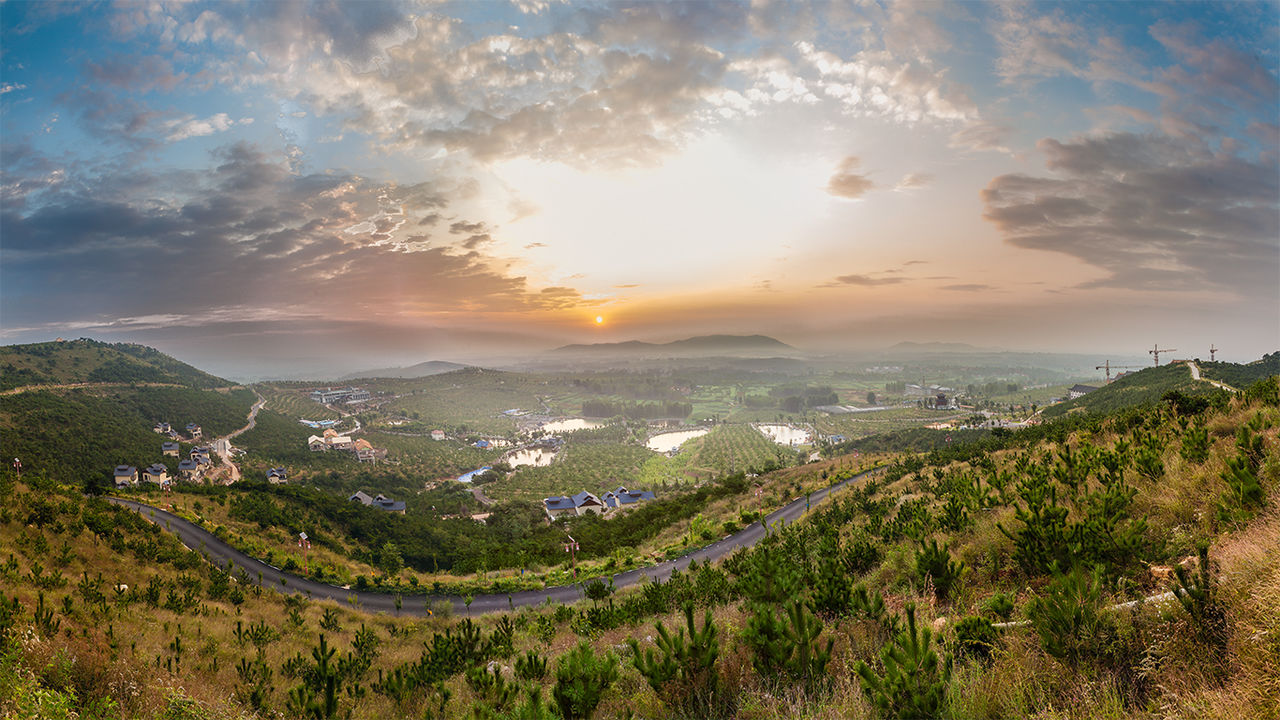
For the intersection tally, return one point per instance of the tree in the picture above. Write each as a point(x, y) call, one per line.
point(682, 672)
point(389, 560)
point(581, 679)
point(871, 398)
point(915, 680)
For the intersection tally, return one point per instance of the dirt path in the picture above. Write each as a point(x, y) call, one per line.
point(1195, 375)
point(223, 444)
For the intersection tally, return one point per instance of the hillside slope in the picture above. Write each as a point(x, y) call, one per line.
point(91, 361)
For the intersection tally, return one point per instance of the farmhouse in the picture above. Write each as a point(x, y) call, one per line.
point(170, 448)
point(162, 428)
point(1076, 391)
point(126, 475)
point(194, 431)
point(189, 470)
point(623, 497)
point(580, 504)
point(437, 435)
point(381, 502)
point(277, 475)
point(157, 473)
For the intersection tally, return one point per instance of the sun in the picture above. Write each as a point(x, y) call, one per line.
point(599, 319)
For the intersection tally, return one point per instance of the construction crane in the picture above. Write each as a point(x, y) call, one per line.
point(1155, 350)
point(1212, 350)
point(1107, 366)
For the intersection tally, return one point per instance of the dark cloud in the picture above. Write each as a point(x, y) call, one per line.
point(476, 241)
point(250, 238)
point(848, 184)
point(463, 228)
point(1154, 212)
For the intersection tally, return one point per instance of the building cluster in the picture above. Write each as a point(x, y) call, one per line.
point(586, 502)
point(331, 440)
point(191, 469)
point(382, 502)
point(348, 395)
point(194, 432)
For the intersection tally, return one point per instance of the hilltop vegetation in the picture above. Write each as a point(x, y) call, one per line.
point(1143, 387)
point(85, 360)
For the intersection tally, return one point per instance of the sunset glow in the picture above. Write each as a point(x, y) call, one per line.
point(460, 181)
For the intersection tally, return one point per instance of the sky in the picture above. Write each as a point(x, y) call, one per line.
point(294, 187)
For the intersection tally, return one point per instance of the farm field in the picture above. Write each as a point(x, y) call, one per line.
point(853, 425)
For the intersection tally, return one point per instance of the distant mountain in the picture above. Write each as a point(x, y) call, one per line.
point(66, 362)
point(701, 345)
point(422, 369)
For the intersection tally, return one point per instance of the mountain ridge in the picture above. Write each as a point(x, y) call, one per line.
point(695, 344)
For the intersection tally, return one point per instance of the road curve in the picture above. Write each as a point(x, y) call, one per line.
point(219, 553)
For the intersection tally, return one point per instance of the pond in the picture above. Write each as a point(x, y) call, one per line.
point(569, 425)
point(533, 457)
point(786, 434)
point(666, 442)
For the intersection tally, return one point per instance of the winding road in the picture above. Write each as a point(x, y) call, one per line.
point(219, 553)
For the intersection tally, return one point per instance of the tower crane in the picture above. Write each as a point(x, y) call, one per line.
point(1155, 350)
point(1107, 366)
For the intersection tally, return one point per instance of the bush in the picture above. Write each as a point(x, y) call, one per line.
point(683, 673)
point(914, 680)
point(976, 636)
point(1069, 617)
point(581, 679)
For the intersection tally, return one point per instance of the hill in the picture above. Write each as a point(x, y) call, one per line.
point(422, 369)
point(1139, 388)
point(1242, 376)
point(74, 410)
point(91, 361)
point(700, 345)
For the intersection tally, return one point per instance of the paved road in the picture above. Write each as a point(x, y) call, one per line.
point(219, 553)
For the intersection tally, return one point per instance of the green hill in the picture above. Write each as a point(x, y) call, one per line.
point(1139, 388)
point(1242, 376)
point(91, 361)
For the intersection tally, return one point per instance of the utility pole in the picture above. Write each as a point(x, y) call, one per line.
point(1212, 350)
point(1155, 350)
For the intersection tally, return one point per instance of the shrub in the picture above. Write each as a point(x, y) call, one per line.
point(1069, 617)
point(976, 636)
point(683, 673)
point(914, 680)
point(934, 563)
point(581, 679)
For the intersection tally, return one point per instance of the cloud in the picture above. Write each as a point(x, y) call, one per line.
point(846, 183)
point(534, 245)
point(462, 227)
point(863, 281)
point(192, 127)
point(1153, 212)
point(982, 136)
point(243, 235)
point(967, 287)
point(914, 181)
